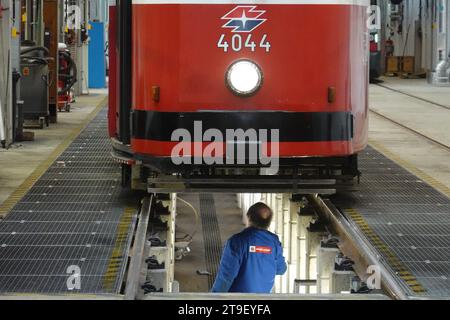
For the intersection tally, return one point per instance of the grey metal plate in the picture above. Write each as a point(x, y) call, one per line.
point(70, 217)
point(410, 217)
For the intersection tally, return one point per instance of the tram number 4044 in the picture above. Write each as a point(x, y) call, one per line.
point(238, 43)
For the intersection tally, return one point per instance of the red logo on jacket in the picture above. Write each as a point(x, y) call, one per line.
point(260, 249)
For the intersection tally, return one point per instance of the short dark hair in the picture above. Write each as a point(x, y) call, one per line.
point(260, 215)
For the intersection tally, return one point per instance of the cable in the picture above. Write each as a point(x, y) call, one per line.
point(2, 133)
point(197, 220)
point(407, 39)
point(28, 50)
point(4, 80)
point(8, 77)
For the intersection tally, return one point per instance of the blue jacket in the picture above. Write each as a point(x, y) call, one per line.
point(250, 262)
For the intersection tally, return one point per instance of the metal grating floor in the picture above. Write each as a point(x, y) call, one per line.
point(76, 214)
point(407, 220)
point(211, 236)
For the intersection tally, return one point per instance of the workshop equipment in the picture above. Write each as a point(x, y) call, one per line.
point(67, 77)
point(441, 76)
point(35, 84)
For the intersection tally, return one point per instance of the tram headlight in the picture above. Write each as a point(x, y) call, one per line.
point(244, 78)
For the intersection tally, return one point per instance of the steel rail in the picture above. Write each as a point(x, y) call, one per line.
point(261, 297)
point(136, 262)
point(354, 245)
point(413, 96)
point(434, 141)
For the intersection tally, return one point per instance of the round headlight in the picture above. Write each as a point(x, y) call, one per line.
point(244, 78)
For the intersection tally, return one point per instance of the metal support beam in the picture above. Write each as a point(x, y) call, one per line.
point(5, 75)
point(124, 10)
point(134, 273)
point(354, 246)
point(325, 267)
point(51, 40)
point(260, 297)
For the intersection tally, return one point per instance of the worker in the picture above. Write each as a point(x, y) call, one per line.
point(252, 258)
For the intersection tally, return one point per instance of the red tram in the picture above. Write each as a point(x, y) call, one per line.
point(295, 67)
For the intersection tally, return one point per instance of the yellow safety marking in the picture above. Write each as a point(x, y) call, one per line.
point(116, 259)
point(394, 262)
point(14, 32)
point(414, 170)
point(22, 190)
point(418, 289)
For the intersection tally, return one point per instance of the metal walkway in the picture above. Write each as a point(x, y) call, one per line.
point(75, 216)
point(406, 220)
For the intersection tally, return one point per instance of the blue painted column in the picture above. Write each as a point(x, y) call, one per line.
point(97, 60)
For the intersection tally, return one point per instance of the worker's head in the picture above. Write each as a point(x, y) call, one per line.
point(260, 216)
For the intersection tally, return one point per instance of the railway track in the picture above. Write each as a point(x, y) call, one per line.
point(413, 96)
point(416, 132)
point(145, 281)
point(376, 227)
point(353, 244)
point(150, 271)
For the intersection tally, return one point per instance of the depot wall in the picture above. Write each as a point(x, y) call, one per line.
point(421, 30)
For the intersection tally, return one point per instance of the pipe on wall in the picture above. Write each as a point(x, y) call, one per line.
point(124, 10)
point(447, 28)
point(2, 127)
point(5, 75)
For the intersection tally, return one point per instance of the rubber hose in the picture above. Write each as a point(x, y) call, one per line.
point(25, 51)
point(73, 67)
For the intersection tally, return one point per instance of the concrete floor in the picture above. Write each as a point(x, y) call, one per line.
point(426, 118)
point(19, 162)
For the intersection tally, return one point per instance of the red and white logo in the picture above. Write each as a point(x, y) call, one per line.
point(244, 19)
point(260, 249)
